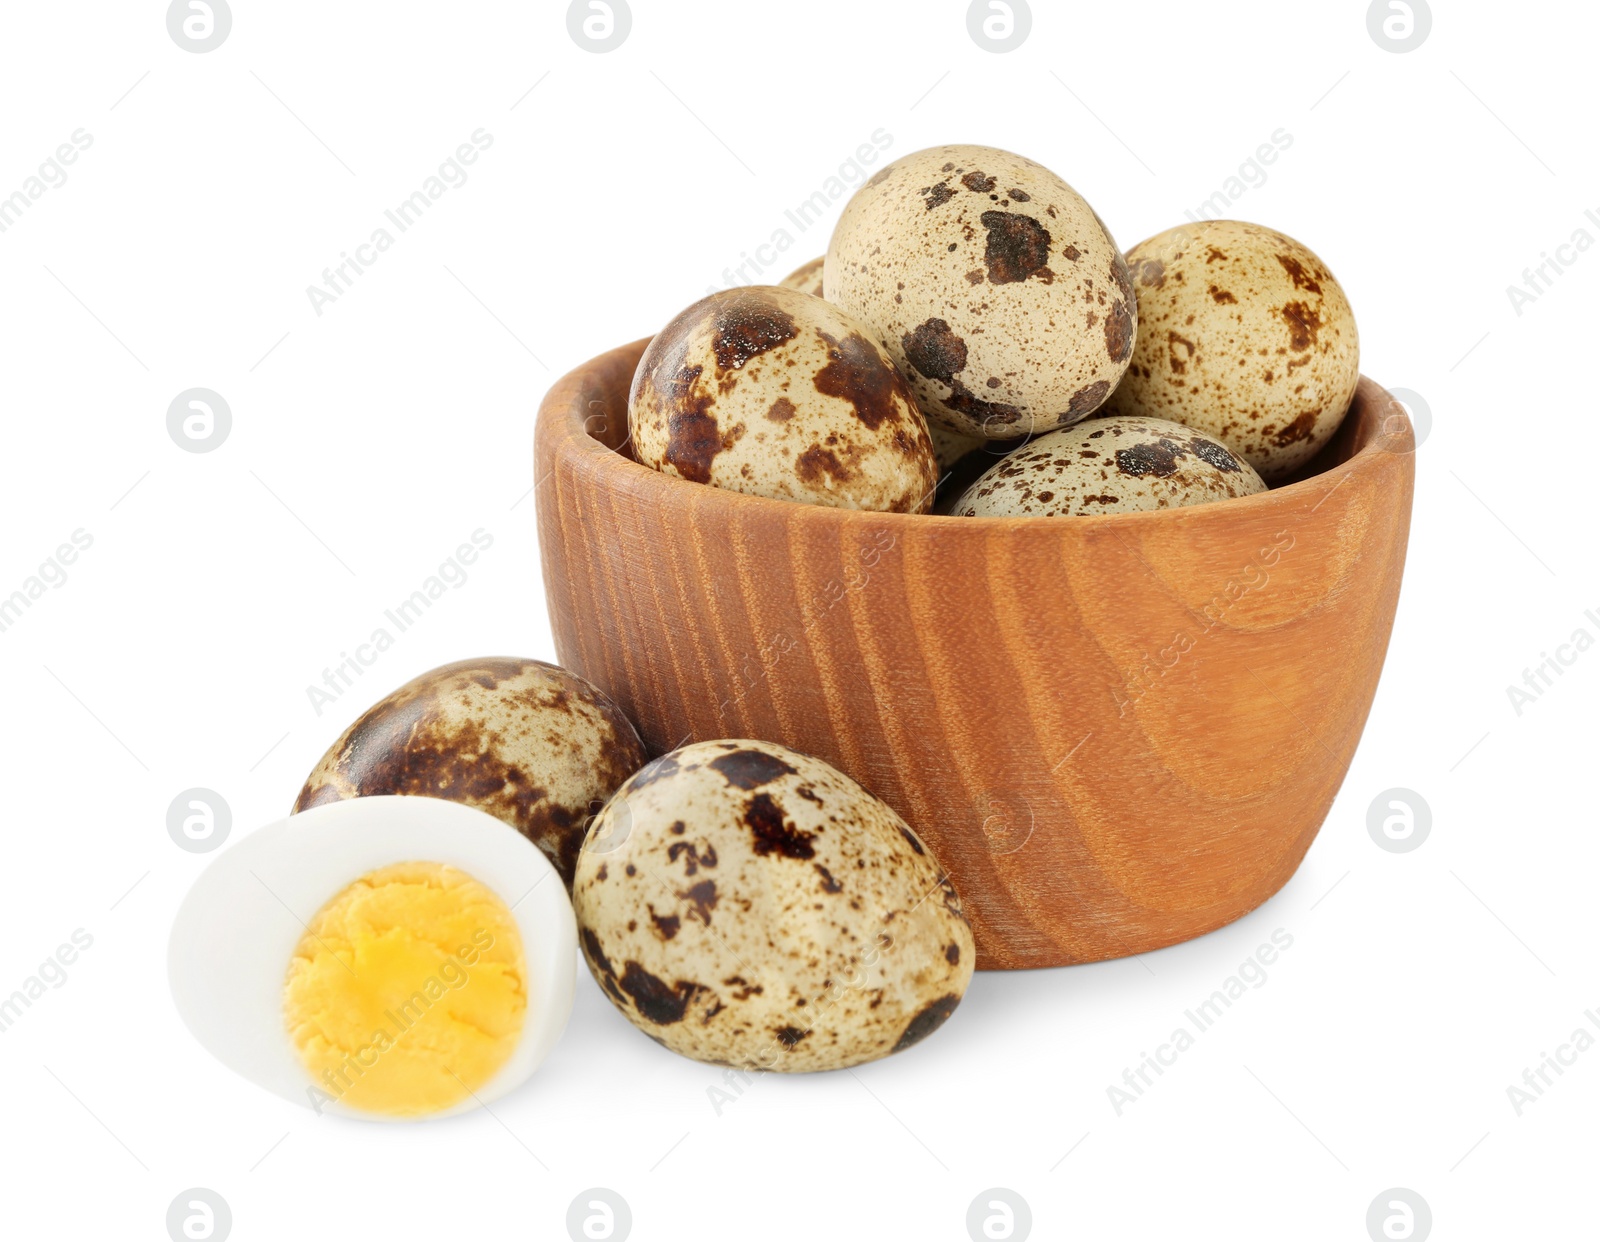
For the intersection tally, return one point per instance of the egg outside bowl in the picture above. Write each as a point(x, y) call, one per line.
point(238, 927)
point(1117, 732)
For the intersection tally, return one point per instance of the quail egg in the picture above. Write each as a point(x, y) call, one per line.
point(998, 290)
point(776, 393)
point(969, 468)
point(1245, 335)
point(1110, 465)
point(748, 905)
point(530, 743)
point(949, 447)
point(384, 958)
point(961, 460)
point(807, 277)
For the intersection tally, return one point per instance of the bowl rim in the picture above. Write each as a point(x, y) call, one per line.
point(563, 406)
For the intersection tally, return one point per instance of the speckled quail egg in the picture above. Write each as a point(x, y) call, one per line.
point(777, 393)
point(961, 460)
point(1245, 335)
point(1110, 465)
point(969, 467)
point(996, 287)
point(532, 744)
point(949, 447)
point(751, 906)
point(384, 958)
point(807, 277)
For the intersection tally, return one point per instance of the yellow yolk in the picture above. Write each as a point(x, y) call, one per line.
point(408, 991)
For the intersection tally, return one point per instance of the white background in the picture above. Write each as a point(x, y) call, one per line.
point(369, 441)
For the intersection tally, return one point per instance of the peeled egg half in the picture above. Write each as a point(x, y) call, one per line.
point(388, 958)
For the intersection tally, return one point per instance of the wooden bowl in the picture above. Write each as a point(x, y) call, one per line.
point(1116, 732)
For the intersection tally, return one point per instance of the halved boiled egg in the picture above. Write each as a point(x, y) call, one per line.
point(390, 958)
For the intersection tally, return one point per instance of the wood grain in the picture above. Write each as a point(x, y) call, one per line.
point(1116, 732)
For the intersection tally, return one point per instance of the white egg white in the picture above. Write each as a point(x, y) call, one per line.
point(238, 927)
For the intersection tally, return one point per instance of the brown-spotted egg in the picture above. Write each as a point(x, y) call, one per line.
point(807, 277)
point(532, 744)
point(996, 287)
point(748, 905)
point(1109, 465)
point(1245, 335)
point(777, 393)
point(949, 447)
